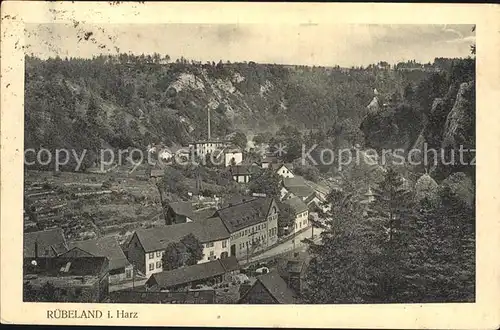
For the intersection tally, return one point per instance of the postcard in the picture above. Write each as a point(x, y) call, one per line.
point(250, 165)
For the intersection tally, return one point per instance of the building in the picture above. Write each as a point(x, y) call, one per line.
point(179, 212)
point(80, 279)
point(251, 223)
point(268, 160)
point(293, 269)
point(269, 288)
point(203, 148)
point(120, 268)
point(242, 173)
point(188, 277)
point(283, 170)
point(46, 243)
point(300, 212)
point(159, 297)
point(296, 187)
point(232, 156)
point(146, 247)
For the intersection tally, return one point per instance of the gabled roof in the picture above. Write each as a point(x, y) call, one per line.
point(103, 247)
point(296, 204)
point(205, 230)
point(249, 212)
point(277, 166)
point(230, 264)
point(50, 243)
point(187, 274)
point(182, 208)
point(157, 297)
point(276, 287)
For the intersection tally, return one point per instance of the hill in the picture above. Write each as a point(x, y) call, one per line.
point(131, 101)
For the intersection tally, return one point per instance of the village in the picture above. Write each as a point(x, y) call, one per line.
point(226, 249)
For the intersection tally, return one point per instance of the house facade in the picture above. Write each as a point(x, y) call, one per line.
point(232, 157)
point(147, 246)
point(203, 148)
point(242, 173)
point(283, 170)
point(252, 224)
point(300, 212)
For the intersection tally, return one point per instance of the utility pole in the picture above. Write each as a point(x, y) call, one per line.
point(208, 112)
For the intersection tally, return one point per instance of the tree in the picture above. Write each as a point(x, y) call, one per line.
point(342, 269)
point(240, 140)
point(441, 249)
point(194, 248)
point(175, 256)
point(188, 251)
point(268, 182)
point(309, 172)
point(386, 213)
point(286, 218)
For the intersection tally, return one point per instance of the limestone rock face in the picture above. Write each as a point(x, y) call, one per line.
point(459, 125)
point(461, 185)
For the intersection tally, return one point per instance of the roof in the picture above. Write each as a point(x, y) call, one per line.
point(157, 297)
point(301, 191)
point(50, 242)
point(205, 230)
point(269, 159)
point(104, 247)
point(276, 287)
point(187, 209)
point(297, 205)
point(230, 264)
point(249, 212)
point(243, 169)
point(277, 166)
point(294, 182)
point(187, 274)
point(182, 208)
point(61, 266)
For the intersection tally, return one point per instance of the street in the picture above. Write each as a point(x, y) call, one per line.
point(288, 245)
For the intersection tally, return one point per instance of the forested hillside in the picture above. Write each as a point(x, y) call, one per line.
point(126, 100)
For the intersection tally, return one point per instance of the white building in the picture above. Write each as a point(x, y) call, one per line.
point(283, 170)
point(232, 157)
point(147, 246)
point(203, 148)
point(300, 211)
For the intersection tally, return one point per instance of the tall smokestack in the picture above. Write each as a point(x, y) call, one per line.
point(208, 123)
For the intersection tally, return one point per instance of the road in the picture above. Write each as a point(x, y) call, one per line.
point(288, 245)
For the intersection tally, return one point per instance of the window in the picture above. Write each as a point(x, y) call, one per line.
point(158, 264)
point(224, 244)
point(152, 266)
point(209, 245)
point(158, 253)
point(151, 255)
point(128, 274)
point(212, 253)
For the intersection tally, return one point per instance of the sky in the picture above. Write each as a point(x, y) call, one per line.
point(305, 44)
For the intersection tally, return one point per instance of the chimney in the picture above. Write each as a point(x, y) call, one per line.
point(36, 249)
point(208, 111)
